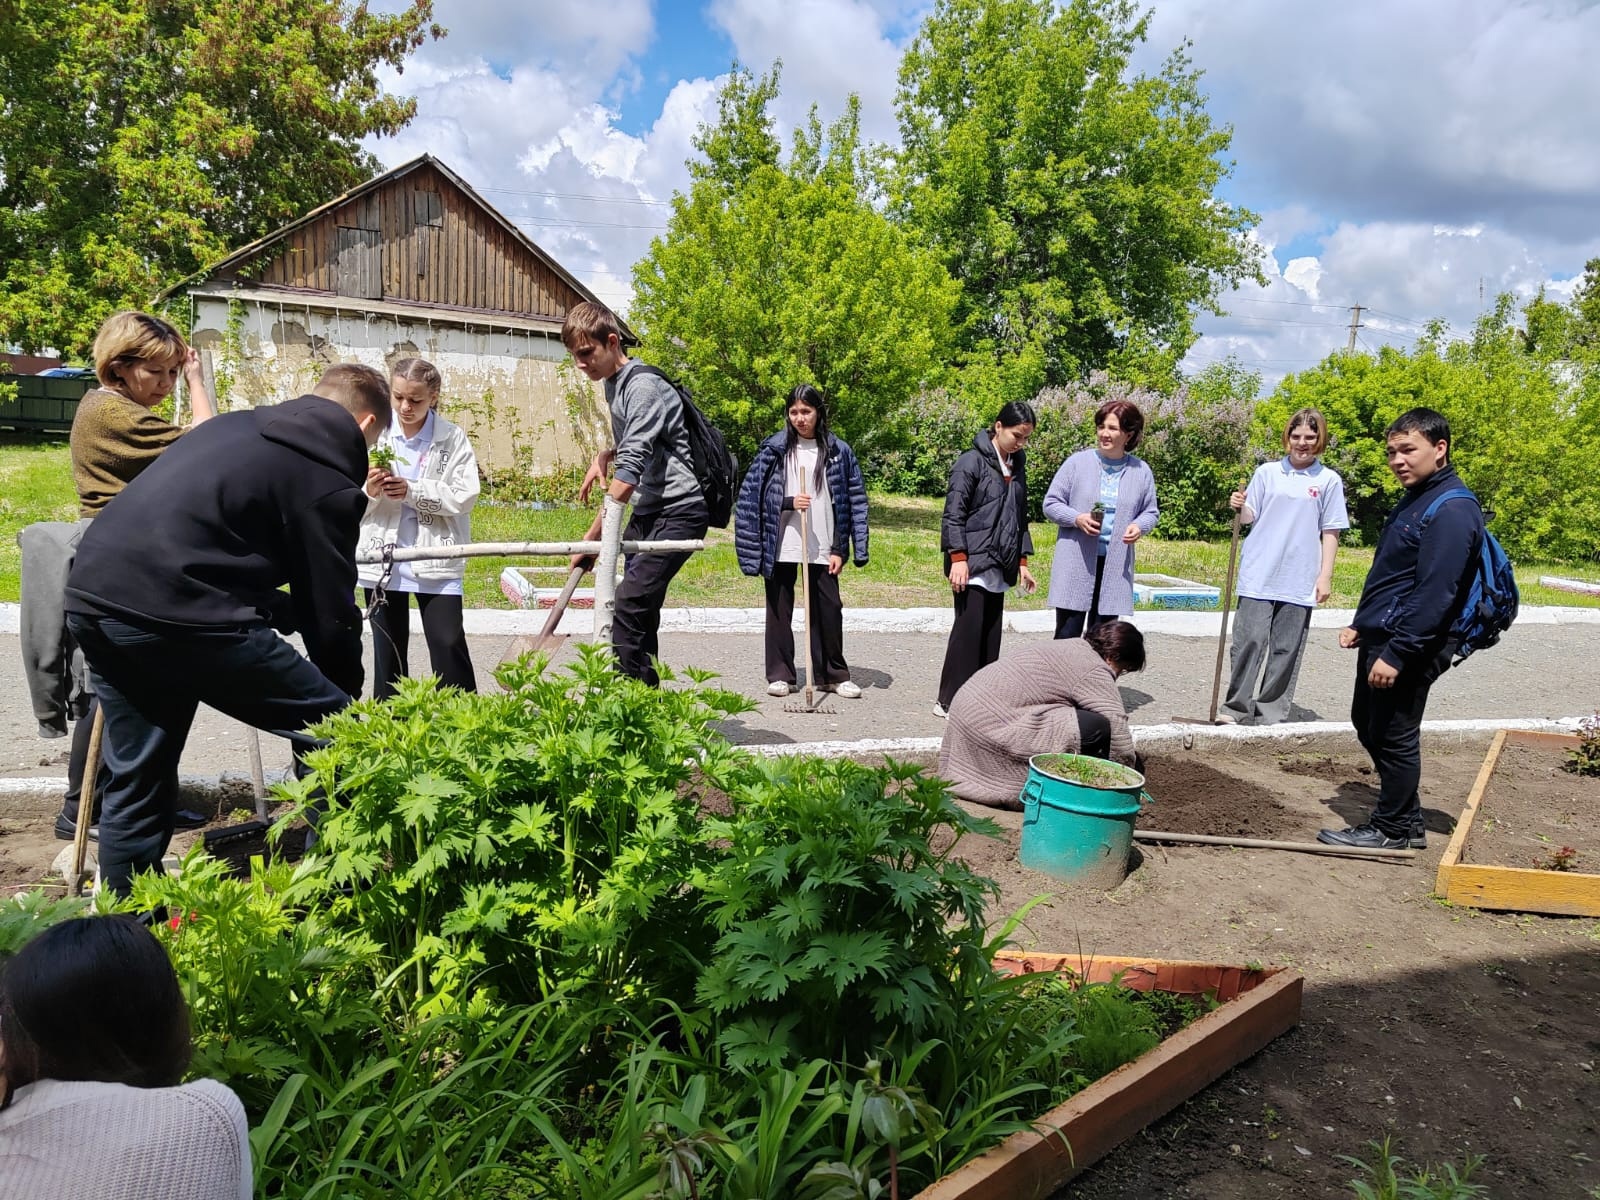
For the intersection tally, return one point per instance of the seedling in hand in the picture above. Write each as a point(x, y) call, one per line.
point(383, 457)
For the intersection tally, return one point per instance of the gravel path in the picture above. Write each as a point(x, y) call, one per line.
point(1539, 670)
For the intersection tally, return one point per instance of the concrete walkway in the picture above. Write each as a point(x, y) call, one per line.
point(1548, 666)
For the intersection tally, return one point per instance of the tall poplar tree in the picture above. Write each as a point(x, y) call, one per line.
point(1075, 201)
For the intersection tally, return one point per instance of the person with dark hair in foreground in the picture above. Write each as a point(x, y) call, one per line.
point(1421, 572)
point(1047, 698)
point(94, 1039)
point(175, 594)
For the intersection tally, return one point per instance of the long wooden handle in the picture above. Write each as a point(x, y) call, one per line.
point(1227, 600)
point(560, 606)
point(1205, 839)
point(91, 774)
point(805, 597)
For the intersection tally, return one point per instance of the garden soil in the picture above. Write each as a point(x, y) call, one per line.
point(1455, 1032)
point(1534, 808)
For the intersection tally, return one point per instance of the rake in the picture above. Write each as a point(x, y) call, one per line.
point(810, 706)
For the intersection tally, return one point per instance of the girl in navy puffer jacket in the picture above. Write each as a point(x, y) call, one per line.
point(803, 468)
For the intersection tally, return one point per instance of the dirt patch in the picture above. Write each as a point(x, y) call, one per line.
point(1197, 797)
point(1456, 1031)
point(1533, 810)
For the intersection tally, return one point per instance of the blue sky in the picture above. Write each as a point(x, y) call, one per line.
point(1406, 155)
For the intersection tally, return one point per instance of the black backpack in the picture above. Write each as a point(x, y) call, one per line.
point(715, 468)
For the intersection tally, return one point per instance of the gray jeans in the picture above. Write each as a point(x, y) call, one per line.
point(1268, 636)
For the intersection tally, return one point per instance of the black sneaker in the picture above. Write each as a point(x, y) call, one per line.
point(66, 830)
point(1418, 839)
point(1363, 837)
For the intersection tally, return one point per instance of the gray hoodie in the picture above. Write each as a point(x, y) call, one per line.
point(652, 445)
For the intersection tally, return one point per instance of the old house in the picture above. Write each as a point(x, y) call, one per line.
point(413, 262)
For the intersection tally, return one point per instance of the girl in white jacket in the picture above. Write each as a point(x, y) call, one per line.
point(424, 497)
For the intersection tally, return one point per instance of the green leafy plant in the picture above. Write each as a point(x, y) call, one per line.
point(1386, 1177)
point(384, 457)
point(829, 896)
point(1584, 758)
point(274, 984)
point(32, 912)
point(530, 839)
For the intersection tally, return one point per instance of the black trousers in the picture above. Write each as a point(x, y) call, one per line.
point(149, 685)
point(974, 639)
point(1070, 621)
point(441, 626)
point(1388, 724)
point(1094, 734)
point(636, 621)
point(827, 625)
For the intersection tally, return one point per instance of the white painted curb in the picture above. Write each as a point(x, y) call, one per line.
point(494, 622)
point(1146, 736)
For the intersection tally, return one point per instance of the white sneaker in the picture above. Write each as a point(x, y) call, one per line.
point(940, 710)
point(849, 690)
point(777, 688)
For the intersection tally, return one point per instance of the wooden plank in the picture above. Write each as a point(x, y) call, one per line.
point(1458, 840)
point(1514, 889)
point(1031, 1165)
point(1525, 889)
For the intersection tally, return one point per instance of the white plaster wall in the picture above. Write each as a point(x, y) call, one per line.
point(514, 391)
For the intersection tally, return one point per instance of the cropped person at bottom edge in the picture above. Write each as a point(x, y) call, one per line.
point(1420, 576)
point(1046, 698)
point(652, 467)
point(94, 1041)
point(174, 594)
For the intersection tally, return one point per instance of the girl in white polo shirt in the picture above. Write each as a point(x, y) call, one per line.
point(1296, 509)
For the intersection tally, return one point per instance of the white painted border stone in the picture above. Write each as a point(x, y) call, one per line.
point(233, 783)
point(509, 622)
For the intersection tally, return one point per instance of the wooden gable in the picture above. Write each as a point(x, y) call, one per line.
point(417, 235)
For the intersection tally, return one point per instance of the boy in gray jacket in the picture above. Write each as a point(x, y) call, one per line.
point(652, 466)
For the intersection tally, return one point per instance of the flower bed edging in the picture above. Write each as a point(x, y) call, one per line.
point(1519, 889)
point(1259, 1004)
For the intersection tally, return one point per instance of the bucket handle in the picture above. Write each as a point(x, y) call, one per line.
point(1031, 791)
point(1145, 798)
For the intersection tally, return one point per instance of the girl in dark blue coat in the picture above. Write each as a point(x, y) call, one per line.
point(803, 468)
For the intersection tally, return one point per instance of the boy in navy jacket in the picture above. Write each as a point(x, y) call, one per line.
point(1414, 592)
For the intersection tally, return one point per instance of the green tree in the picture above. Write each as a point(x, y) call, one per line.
point(1077, 205)
point(777, 273)
point(1524, 417)
point(140, 141)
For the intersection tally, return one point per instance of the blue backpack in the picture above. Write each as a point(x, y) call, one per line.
point(1492, 597)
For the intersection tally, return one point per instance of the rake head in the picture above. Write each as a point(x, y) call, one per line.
point(810, 708)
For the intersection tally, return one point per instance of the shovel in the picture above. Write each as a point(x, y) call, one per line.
point(1222, 637)
point(548, 639)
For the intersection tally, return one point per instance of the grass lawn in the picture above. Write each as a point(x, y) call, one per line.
point(36, 485)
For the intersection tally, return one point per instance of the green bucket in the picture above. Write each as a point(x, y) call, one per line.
point(1079, 829)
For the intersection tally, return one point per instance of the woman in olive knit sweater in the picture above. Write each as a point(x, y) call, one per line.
point(115, 436)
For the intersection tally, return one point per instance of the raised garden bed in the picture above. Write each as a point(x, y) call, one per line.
point(1525, 811)
point(1256, 1006)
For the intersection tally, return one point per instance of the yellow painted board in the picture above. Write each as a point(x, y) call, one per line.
point(1524, 889)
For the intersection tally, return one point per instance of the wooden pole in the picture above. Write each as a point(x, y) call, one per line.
point(1227, 603)
point(535, 549)
point(1205, 839)
point(91, 773)
point(605, 569)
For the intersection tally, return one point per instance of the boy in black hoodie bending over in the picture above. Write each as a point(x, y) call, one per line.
point(174, 594)
point(1421, 572)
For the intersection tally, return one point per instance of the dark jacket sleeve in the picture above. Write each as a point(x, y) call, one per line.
point(1446, 548)
point(1022, 508)
point(857, 491)
point(747, 533)
point(322, 583)
point(958, 504)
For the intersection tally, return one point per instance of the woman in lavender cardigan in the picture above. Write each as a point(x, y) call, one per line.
point(1104, 501)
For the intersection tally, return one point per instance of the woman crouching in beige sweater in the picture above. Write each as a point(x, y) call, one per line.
point(1046, 698)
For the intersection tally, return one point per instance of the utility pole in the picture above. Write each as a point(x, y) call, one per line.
point(1355, 324)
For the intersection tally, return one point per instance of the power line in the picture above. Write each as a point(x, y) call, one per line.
point(1284, 321)
point(577, 196)
point(564, 222)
